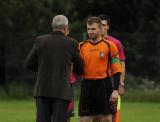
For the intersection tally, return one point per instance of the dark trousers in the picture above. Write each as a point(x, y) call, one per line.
point(51, 109)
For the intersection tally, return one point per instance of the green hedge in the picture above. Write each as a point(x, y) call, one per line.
point(17, 91)
point(137, 89)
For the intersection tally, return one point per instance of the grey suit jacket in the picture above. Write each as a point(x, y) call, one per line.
point(51, 57)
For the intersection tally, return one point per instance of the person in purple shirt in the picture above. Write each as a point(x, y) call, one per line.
point(105, 27)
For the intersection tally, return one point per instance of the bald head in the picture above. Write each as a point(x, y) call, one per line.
point(59, 22)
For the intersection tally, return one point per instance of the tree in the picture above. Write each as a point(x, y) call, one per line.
point(136, 23)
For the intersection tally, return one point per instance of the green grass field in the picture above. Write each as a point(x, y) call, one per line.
point(24, 111)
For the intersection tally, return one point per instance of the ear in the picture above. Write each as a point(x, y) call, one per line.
point(66, 30)
point(108, 26)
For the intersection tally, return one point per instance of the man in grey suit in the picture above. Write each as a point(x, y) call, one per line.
point(51, 57)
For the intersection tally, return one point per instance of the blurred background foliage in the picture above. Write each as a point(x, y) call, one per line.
point(136, 23)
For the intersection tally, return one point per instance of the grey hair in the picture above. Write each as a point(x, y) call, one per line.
point(59, 22)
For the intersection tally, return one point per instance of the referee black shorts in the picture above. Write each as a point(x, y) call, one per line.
point(95, 96)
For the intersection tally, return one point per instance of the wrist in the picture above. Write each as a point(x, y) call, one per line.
point(121, 83)
point(115, 90)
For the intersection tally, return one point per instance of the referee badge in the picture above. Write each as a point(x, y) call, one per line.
point(101, 54)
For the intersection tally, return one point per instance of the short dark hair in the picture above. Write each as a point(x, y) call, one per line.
point(92, 20)
point(105, 17)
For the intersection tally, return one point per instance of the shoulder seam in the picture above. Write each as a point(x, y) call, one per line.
point(82, 43)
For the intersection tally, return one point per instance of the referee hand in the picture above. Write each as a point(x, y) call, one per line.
point(114, 96)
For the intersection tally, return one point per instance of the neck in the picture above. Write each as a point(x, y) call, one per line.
point(58, 30)
point(63, 31)
point(105, 35)
point(96, 40)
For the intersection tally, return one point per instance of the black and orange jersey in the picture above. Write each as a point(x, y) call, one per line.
point(101, 59)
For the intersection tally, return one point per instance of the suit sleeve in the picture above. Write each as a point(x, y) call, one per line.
point(31, 61)
point(78, 63)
